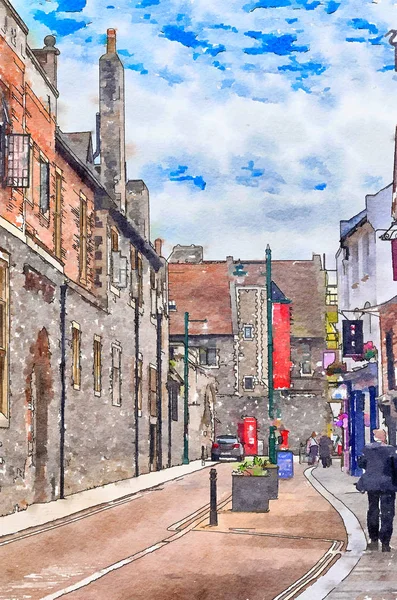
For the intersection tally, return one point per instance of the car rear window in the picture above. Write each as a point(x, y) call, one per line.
point(227, 440)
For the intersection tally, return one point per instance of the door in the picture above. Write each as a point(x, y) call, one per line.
point(153, 447)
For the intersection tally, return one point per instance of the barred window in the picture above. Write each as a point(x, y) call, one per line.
point(18, 160)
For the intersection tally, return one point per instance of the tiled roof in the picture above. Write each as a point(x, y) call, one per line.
point(302, 282)
point(203, 291)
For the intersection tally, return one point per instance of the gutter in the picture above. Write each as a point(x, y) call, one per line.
point(62, 368)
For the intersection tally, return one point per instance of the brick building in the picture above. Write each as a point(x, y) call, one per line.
point(84, 325)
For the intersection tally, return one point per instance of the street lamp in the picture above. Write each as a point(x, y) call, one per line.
point(269, 305)
point(185, 460)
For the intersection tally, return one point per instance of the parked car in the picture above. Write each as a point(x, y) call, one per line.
point(227, 446)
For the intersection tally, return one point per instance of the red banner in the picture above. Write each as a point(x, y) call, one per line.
point(281, 346)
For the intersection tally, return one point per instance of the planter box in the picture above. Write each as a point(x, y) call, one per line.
point(252, 494)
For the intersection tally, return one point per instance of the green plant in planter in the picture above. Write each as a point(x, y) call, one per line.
point(256, 468)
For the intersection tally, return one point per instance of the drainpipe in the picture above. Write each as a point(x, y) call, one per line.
point(169, 427)
point(62, 369)
point(159, 394)
point(136, 407)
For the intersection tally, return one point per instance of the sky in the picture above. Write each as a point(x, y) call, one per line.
point(251, 121)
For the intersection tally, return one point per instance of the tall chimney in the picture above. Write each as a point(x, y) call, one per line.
point(158, 246)
point(112, 121)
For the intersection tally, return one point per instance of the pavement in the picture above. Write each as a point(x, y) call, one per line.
point(374, 577)
point(156, 543)
point(149, 539)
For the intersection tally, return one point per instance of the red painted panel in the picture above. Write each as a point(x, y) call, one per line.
point(281, 346)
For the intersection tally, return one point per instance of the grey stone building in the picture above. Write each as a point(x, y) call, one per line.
point(231, 295)
point(84, 308)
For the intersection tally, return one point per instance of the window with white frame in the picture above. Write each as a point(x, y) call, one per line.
point(76, 355)
point(248, 383)
point(248, 332)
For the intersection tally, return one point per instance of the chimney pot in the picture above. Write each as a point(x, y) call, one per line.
point(111, 41)
point(158, 245)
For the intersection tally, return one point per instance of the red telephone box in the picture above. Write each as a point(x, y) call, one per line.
point(248, 434)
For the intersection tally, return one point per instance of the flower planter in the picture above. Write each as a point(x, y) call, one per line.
point(252, 493)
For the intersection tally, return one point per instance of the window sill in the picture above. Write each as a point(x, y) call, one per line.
point(97, 394)
point(115, 290)
point(141, 311)
point(76, 386)
point(116, 404)
point(139, 413)
point(210, 366)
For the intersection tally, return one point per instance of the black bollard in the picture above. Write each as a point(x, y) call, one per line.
point(203, 456)
point(213, 502)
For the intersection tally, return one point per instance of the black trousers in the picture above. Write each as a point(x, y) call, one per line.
point(381, 509)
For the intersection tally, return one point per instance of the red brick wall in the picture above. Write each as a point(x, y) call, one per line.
point(39, 120)
point(388, 322)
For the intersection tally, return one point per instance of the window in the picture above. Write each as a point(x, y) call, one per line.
point(140, 280)
point(153, 391)
point(116, 375)
point(248, 332)
point(83, 238)
point(76, 356)
point(97, 365)
point(114, 240)
point(44, 185)
point(248, 383)
point(391, 374)
point(153, 291)
point(58, 215)
point(171, 305)
point(133, 257)
point(4, 335)
point(208, 357)
point(139, 386)
point(18, 160)
point(29, 195)
point(306, 364)
point(173, 391)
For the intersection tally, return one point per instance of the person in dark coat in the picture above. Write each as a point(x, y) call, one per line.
point(379, 481)
point(325, 450)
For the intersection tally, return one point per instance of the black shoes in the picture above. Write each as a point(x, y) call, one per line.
point(373, 545)
point(386, 548)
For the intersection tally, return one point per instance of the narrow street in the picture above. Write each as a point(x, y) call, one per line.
point(157, 544)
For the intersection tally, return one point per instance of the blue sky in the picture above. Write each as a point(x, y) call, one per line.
point(251, 121)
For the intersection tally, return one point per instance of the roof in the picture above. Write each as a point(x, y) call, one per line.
point(348, 227)
point(202, 290)
point(81, 144)
point(303, 283)
point(85, 170)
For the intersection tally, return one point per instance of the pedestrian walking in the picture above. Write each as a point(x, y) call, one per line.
point(312, 448)
point(380, 482)
point(325, 450)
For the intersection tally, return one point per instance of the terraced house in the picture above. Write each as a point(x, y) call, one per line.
point(83, 292)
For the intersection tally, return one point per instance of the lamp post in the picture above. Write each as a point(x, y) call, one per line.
point(269, 305)
point(185, 460)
